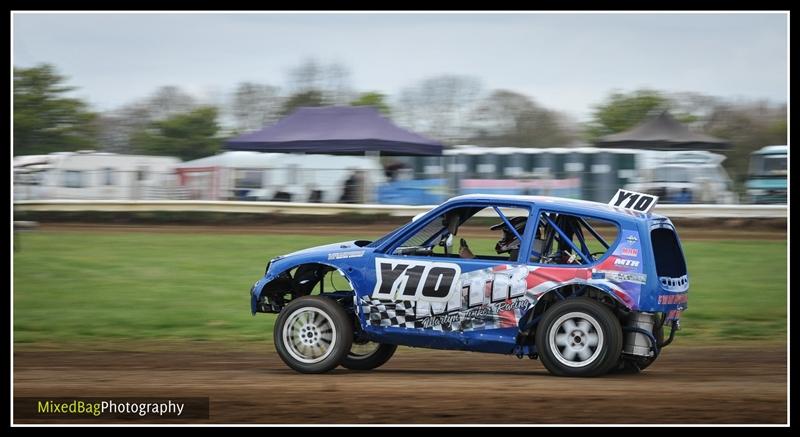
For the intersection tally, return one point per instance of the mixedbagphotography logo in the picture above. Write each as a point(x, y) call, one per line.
point(111, 408)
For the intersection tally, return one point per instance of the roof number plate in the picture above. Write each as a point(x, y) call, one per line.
point(633, 201)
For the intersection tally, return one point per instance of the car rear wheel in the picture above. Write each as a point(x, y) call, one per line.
point(368, 355)
point(312, 334)
point(579, 337)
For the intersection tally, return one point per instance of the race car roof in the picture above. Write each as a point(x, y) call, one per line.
point(549, 200)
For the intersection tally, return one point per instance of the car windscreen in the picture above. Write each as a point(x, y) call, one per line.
point(381, 240)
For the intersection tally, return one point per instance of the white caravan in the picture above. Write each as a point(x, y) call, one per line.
point(242, 175)
point(91, 175)
point(684, 177)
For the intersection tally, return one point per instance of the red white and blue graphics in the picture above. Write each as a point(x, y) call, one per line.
point(479, 304)
point(494, 297)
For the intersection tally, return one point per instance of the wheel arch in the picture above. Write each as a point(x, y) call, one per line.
point(530, 319)
point(307, 275)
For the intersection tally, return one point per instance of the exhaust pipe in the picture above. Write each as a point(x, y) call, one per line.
point(636, 341)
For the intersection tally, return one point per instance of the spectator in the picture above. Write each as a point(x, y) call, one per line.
point(706, 191)
point(685, 196)
point(315, 196)
point(348, 190)
point(282, 196)
point(353, 191)
point(393, 169)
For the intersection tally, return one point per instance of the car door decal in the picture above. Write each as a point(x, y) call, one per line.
point(415, 280)
point(489, 298)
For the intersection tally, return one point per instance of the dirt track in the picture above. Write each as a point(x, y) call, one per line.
point(687, 385)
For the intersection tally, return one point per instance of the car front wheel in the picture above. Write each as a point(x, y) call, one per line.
point(579, 337)
point(312, 334)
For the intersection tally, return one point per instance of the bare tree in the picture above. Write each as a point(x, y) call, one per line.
point(507, 118)
point(116, 127)
point(168, 101)
point(694, 109)
point(748, 125)
point(332, 80)
point(439, 106)
point(255, 105)
point(306, 76)
point(337, 84)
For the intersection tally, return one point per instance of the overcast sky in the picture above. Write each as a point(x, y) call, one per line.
point(567, 62)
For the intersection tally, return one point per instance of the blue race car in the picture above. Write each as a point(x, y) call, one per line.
point(587, 288)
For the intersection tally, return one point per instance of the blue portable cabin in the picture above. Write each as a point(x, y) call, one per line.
point(767, 175)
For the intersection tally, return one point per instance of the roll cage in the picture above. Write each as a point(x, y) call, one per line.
point(554, 226)
point(561, 229)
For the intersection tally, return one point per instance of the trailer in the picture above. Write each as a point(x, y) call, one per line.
point(684, 177)
point(767, 175)
point(589, 173)
point(243, 175)
point(92, 175)
point(571, 172)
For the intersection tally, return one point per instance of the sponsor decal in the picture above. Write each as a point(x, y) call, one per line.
point(629, 251)
point(674, 314)
point(415, 280)
point(626, 262)
point(637, 278)
point(416, 294)
point(484, 311)
point(345, 255)
point(490, 298)
point(672, 299)
point(632, 239)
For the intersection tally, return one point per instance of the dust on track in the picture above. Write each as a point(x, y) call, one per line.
point(692, 385)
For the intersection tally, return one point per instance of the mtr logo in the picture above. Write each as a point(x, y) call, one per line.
point(626, 262)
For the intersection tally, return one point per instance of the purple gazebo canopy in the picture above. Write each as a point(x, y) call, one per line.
point(336, 130)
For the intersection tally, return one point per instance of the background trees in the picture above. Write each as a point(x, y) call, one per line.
point(375, 99)
point(622, 111)
point(455, 109)
point(508, 118)
point(45, 119)
point(188, 135)
point(255, 105)
point(438, 106)
point(747, 125)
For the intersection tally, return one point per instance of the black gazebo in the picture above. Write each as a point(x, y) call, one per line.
point(662, 132)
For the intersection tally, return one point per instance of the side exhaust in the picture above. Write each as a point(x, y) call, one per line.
point(639, 339)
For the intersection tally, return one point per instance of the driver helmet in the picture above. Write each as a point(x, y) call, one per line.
point(509, 242)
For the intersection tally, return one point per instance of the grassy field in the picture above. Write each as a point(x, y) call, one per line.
point(75, 287)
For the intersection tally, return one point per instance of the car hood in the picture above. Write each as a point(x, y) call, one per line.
point(324, 254)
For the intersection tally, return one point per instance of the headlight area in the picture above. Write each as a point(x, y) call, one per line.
point(275, 290)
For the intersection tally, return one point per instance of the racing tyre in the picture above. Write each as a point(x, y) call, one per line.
point(579, 337)
point(312, 334)
point(628, 366)
point(368, 355)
